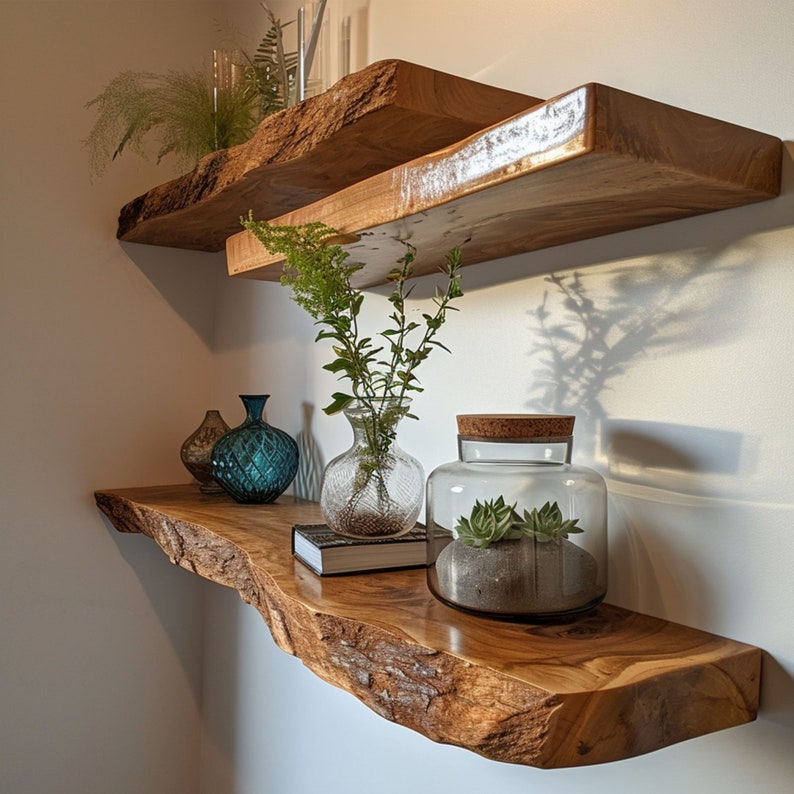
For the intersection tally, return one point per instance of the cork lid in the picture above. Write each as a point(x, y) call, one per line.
point(515, 425)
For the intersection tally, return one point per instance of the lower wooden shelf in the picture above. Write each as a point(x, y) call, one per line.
point(609, 685)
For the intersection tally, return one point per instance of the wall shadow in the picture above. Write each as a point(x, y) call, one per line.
point(180, 617)
point(187, 281)
point(590, 329)
point(713, 231)
point(674, 488)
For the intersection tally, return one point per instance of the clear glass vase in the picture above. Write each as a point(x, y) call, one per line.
point(374, 489)
point(514, 529)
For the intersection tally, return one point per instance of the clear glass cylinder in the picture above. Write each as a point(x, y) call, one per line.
point(515, 530)
point(313, 65)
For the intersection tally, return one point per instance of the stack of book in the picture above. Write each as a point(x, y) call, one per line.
point(325, 552)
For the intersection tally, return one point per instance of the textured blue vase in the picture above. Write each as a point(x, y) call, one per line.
point(255, 462)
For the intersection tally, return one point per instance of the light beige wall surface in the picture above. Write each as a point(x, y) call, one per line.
point(123, 674)
point(688, 414)
point(105, 367)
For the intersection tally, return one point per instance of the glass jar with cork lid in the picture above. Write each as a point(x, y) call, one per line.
point(514, 529)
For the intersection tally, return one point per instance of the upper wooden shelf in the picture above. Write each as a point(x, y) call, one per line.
point(370, 121)
point(593, 161)
point(608, 685)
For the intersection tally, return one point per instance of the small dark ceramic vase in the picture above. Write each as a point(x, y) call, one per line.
point(197, 449)
point(255, 463)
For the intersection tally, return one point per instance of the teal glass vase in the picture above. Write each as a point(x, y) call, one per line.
point(255, 462)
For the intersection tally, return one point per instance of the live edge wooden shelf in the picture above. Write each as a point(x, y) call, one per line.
point(386, 114)
point(605, 686)
point(398, 152)
point(590, 162)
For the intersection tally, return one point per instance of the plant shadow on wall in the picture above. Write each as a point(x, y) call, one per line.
point(590, 329)
point(593, 327)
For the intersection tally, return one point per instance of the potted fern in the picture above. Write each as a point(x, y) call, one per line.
point(375, 489)
point(192, 112)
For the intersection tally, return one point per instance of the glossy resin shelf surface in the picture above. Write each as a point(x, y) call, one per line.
point(590, 162)
point(609, 685)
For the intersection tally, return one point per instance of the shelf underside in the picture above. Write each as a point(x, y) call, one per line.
point(593, 161)
point(370, 121)
point(608, 685)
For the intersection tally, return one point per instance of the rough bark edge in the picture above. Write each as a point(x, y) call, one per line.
point(444, 698)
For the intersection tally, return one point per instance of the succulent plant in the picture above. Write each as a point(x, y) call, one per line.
point(547, 524)
point(493, 520)
point(488, 523)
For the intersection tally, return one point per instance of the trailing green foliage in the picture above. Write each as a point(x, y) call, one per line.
point(185, 112)
point(494, 520)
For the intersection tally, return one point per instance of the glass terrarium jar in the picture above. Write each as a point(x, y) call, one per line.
point(514, 530)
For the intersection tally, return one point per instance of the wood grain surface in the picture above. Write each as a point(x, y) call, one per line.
point(590, 162)
point(608, 685)
point(368, 122)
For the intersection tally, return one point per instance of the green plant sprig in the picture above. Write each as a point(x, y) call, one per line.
point(494, 520)
point(320, 280)
point(381, 372)
point(404, 360)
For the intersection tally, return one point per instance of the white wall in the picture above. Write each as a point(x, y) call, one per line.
point(110, 354)
point(105, 367)
point(695, 405)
